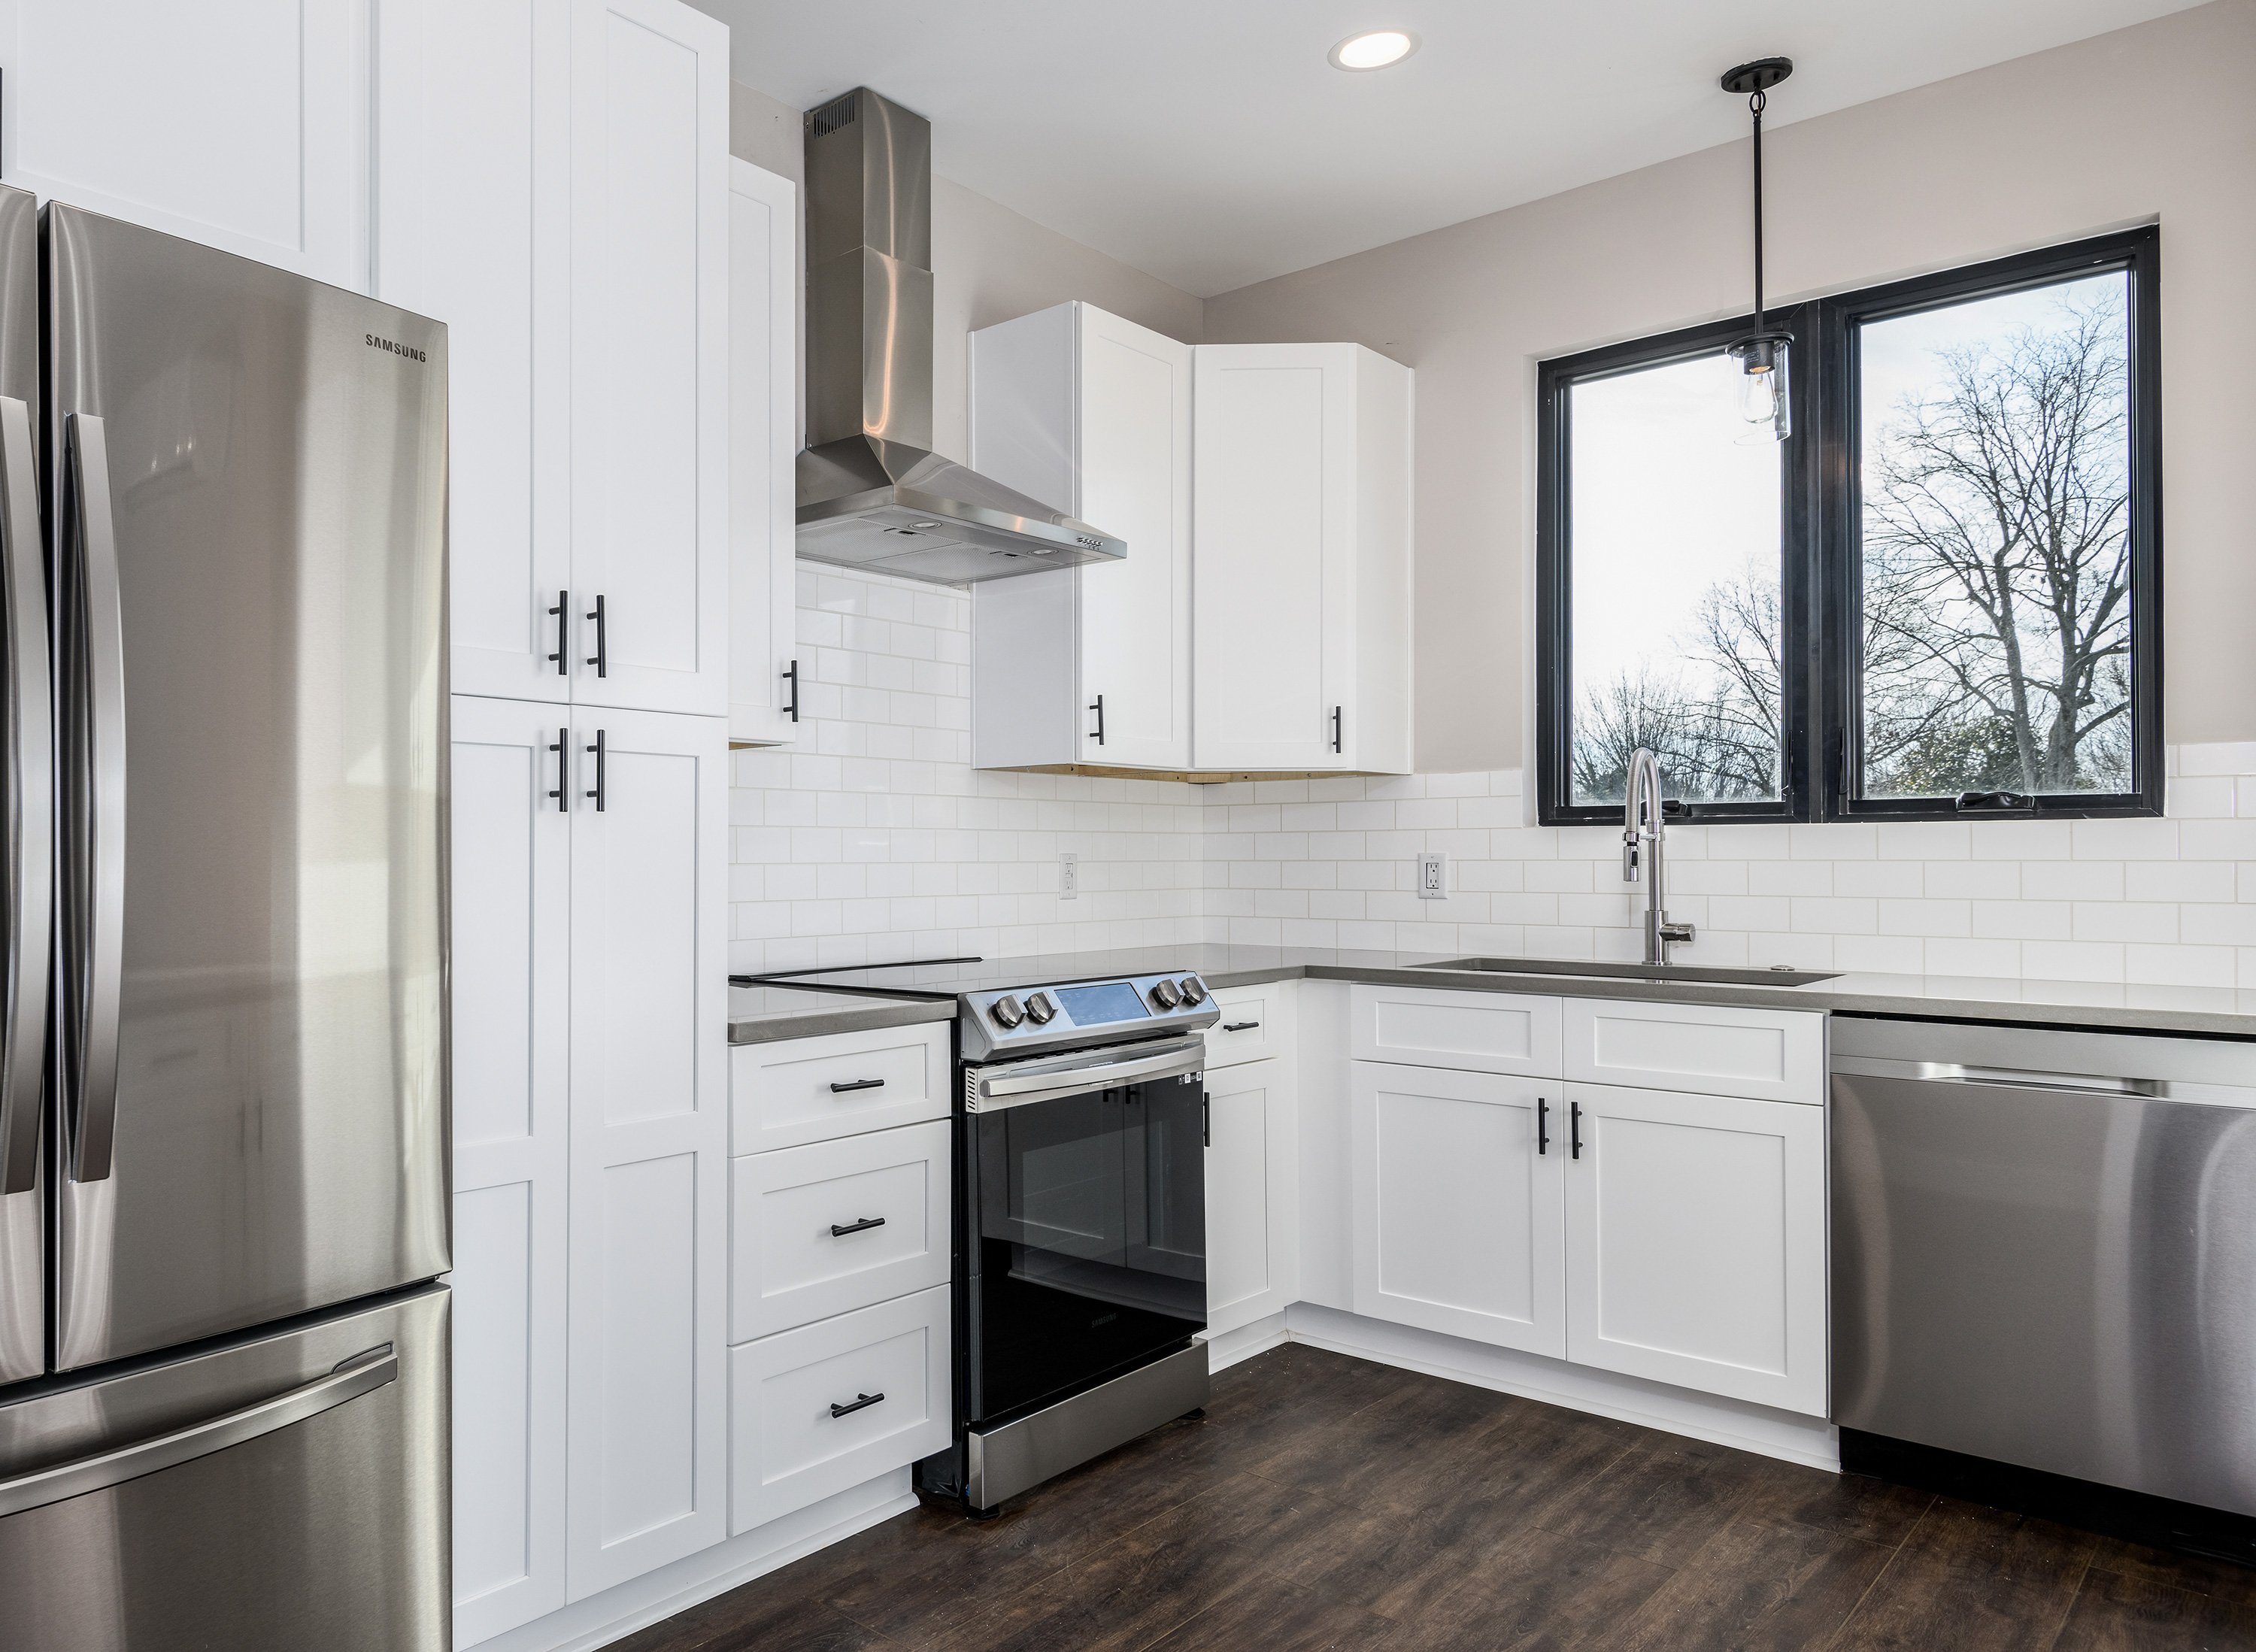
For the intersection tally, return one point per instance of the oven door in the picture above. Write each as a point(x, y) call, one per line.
point(1086, 1208)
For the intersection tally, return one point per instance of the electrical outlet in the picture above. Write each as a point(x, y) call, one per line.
point(1069, 876)
point(1433, 877)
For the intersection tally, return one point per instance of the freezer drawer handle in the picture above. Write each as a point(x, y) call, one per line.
point(31, 800)
point(860, 1399)
point(865, 1223)
point(363, 1374)
point(846, 1085)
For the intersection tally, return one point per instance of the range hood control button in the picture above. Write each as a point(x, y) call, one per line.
point(1166, 995)
point(1194, 990)
point(1040, 1007)
point(1007, 1010)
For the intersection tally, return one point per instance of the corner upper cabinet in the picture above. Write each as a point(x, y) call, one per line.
point(763, 315)
point(1089, 666)
point(1302, 586)
point(239, 123)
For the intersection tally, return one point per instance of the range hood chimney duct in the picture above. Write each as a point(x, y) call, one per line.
point(871, 492)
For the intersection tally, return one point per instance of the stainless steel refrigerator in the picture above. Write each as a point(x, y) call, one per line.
point(223, 1160)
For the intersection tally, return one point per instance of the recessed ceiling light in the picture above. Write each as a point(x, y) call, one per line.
point(1373, 51)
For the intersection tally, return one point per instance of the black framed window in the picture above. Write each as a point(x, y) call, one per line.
point(1939, 598)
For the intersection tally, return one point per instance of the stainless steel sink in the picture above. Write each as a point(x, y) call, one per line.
point(1590, 969)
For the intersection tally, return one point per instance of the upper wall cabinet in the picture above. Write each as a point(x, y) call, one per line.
point(1301, 591)
point(240, 124)
point(551, 183)
point(763, 320)
point(1087, 666)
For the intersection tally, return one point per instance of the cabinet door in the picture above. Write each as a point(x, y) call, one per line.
point(763, 379)
point(1134, 429)
point(650, 356)
point(1457, 1208)
point(240, 124)
point(1696, 1243)
point(1252, 1195)
point(649, 1043)
point(1274, 575)
point(511, 925)
point(473, 213)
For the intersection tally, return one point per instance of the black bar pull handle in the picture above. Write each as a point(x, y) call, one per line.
point(1574, 1129)
point(1339, 728)
point(1240, 1027)
point(1205, 1120)
point(597, 791)
point(1542, 1126)
point(857, 1084)
point(862, 1226)
point(790, 676)
point(563, 791)
point(563, 613)
point(860, 1401)
point(1098, 707)
point(602, 657)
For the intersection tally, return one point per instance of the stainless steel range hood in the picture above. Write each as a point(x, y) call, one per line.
point(871, 492)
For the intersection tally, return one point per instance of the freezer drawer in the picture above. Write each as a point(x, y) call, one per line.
point(2044, 1251)
point(285, 1493)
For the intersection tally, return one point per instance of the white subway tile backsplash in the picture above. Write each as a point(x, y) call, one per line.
point(874, 838)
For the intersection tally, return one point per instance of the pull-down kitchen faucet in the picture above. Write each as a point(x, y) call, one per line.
point(1642, 824)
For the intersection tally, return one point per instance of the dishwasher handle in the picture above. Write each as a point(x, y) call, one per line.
point(1945, 1072)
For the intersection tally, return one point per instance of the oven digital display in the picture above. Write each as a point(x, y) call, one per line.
point(1114, 1001)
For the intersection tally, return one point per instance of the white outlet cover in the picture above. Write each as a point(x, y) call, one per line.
point(1433, 877)
point(1069, 876)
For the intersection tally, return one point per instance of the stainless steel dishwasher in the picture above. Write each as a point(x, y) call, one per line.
point(2044, 1271)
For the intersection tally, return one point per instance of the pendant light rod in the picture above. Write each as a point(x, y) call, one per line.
point(1752, 81)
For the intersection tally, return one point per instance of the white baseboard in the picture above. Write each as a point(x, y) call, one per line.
point(1243, 1342)
point(1654, 1405)
point(639, 1602)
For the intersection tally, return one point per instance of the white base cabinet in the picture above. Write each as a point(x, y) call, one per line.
point(1252, 1194)
point(1696, 1243)
point(1460, 1199)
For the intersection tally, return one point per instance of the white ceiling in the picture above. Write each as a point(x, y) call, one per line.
point(1209, 143)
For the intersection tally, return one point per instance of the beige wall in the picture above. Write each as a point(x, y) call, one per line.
point(2152, 122)
point(989, 265)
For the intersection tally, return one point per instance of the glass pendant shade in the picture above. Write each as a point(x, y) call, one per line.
point(1765, 403)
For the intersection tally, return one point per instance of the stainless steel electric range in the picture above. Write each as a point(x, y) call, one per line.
point(1080, 1247)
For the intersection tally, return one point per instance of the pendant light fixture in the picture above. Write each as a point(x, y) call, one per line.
point(1762, 354)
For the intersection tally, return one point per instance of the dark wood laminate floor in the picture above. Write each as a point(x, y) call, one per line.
point(1328, 1502)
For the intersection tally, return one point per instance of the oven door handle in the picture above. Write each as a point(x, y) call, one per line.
point(992, 1090)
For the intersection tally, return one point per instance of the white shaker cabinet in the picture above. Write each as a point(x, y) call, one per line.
point(511, 971)
point(646, 1449)
point(1459, 1190)
point(551, 182)
point(239, 123)
point(763, 375)
point(1695, 1242)
point(1088, 666)
point(1302, 566)
point(1252, 1193)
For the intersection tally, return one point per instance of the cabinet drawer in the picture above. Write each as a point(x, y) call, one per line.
point(1257, 1023)
point(787, 1263)
point(788, 1446)
point(1479, 1032)
point(802, 1090)
point(1706, 1049)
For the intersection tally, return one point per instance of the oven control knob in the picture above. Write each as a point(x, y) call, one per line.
point(1166, 995)
point(1194, 990)
point(1039, 1008)
point(1007, 1010)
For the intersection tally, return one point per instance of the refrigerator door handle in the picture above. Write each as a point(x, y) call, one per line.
point(99, 805)
point(30, 780)
point(366, 1373)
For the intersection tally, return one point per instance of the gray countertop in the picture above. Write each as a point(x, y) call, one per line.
point(757, 1014)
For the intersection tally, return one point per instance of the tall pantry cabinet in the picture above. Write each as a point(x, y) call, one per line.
point(552, 179)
